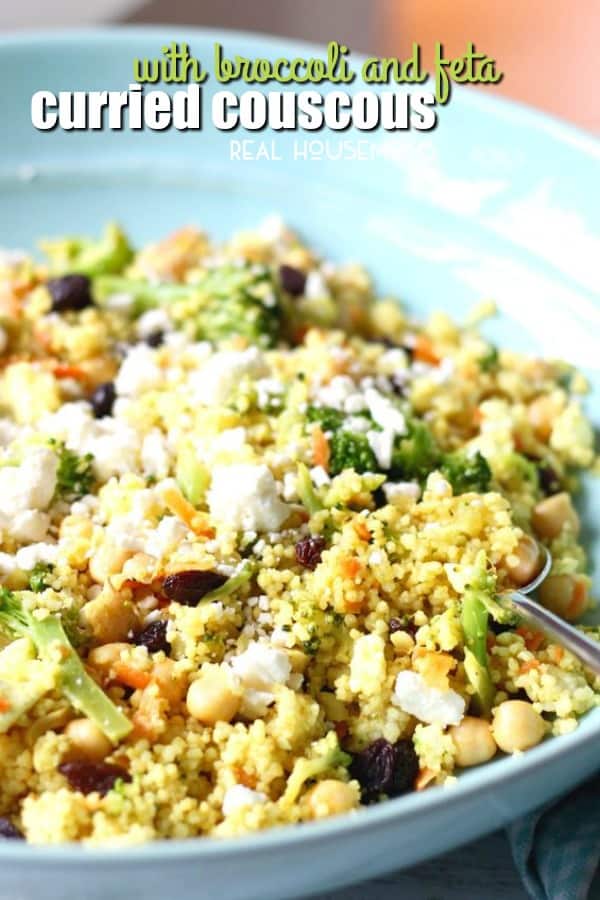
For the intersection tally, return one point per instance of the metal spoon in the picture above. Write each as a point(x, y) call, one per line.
point(587, 650)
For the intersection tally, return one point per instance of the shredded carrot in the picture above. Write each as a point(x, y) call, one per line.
point(350, 566)
point(528, 666)
point(133, 678)
point(4, 705)
point(533, 639)
point(63, 370)
point(424, 352)
point(362, 531)
point(477, 416)
point(194, 520)
point(556, 653)
point(244, 777)
point(425, 777)
point(320, 448)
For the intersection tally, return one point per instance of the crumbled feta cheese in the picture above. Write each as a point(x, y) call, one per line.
point(382, 445)
point(384, 412)
point(8, 564)
point(428, 704)
point(155, 454)
point(245, 497)
point(319, 476)
point(8, 432)
point(290, 487)
point(28, 557)
point(316, 286)
point(30, 525)
point(395, 490)
point(261, 666)
point(239, 796)
point(357, 424)
point(337, 392)
point(138, 373)
point(221, 373)
point(29, 486)
point(152, 321)
point(168, 535)
point(269, 390)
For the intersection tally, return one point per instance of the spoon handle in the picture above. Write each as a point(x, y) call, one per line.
point(587, 650)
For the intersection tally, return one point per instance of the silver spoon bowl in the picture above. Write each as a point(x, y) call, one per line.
point(519, 602)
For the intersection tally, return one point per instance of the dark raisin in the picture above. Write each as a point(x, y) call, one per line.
point(88, 777)
point(395, 625)
point(384, 768)
point(154, 637)
point(155, 339)
point(70, 292)
point(549, 480)
point(309, 550)
point(292, 280)
point(103, 399)
point(189, 587)
point(379, 498)
point(8, 831)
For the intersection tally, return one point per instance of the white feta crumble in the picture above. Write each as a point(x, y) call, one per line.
point(151, 322)
point(382, 445)
point(222, 372)
point(169, 534)
point(316, 286)
point(8, 432)
point(238, 796)
point(138, 373)
point(290, 487)
point(394, 490)
point(319, 476)
point(261, 666)
point(428, 704)
point(29, 486)
point(337, 393)
point(28, 557)
point(8, 564)
point(269, 391)
point(29, 525)
point(155, 455)
point(384, 412)
point(245, 497)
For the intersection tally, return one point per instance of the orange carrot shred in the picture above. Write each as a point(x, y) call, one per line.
point(320, 448)
point(133, 678)
point(424, 352)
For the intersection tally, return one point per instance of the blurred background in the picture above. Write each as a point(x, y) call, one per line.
point(546, 48)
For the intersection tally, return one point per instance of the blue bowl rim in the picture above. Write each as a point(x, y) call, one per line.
point(401, 808)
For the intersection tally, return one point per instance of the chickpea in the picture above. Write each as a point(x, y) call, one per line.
point(111, 616)
point(541, 413)
point(565, 595)
point(107, 560)
point(213, 697)
point(170, 684)
point(105, 657)
point(87, 740)
point(524, 562)
point(517, 726)
point(552, 514)
point(473, 742)
point(331, 798)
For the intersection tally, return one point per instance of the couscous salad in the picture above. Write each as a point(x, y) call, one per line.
point(255, 524)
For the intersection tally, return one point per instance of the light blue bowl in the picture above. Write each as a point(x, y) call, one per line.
point(497, 202)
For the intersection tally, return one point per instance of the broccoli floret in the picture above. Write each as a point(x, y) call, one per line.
point(53, 646)
point(328, 418)
point(489, 361)
point(74, 476)
point(350, 450)
point(227, 301)
point(329, 756)
point(474, 621)
point(38, 577)
point(415, 455)
point(107, 256)
point(467, 473)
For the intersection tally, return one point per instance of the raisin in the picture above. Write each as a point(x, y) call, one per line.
point(384, 768)
point(154, 637)
point(549, 480)
point(309, 550)
point(8, 831)
point(292, 280)
point(155, 339)
point(189, 587)
point(87, 777)
point(70, 292)
point(103, 399)
point(395, 625)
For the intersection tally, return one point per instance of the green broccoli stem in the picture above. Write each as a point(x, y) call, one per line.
point(474, 621)
point(231, 585)
point(51, 641)
point(308, 496)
